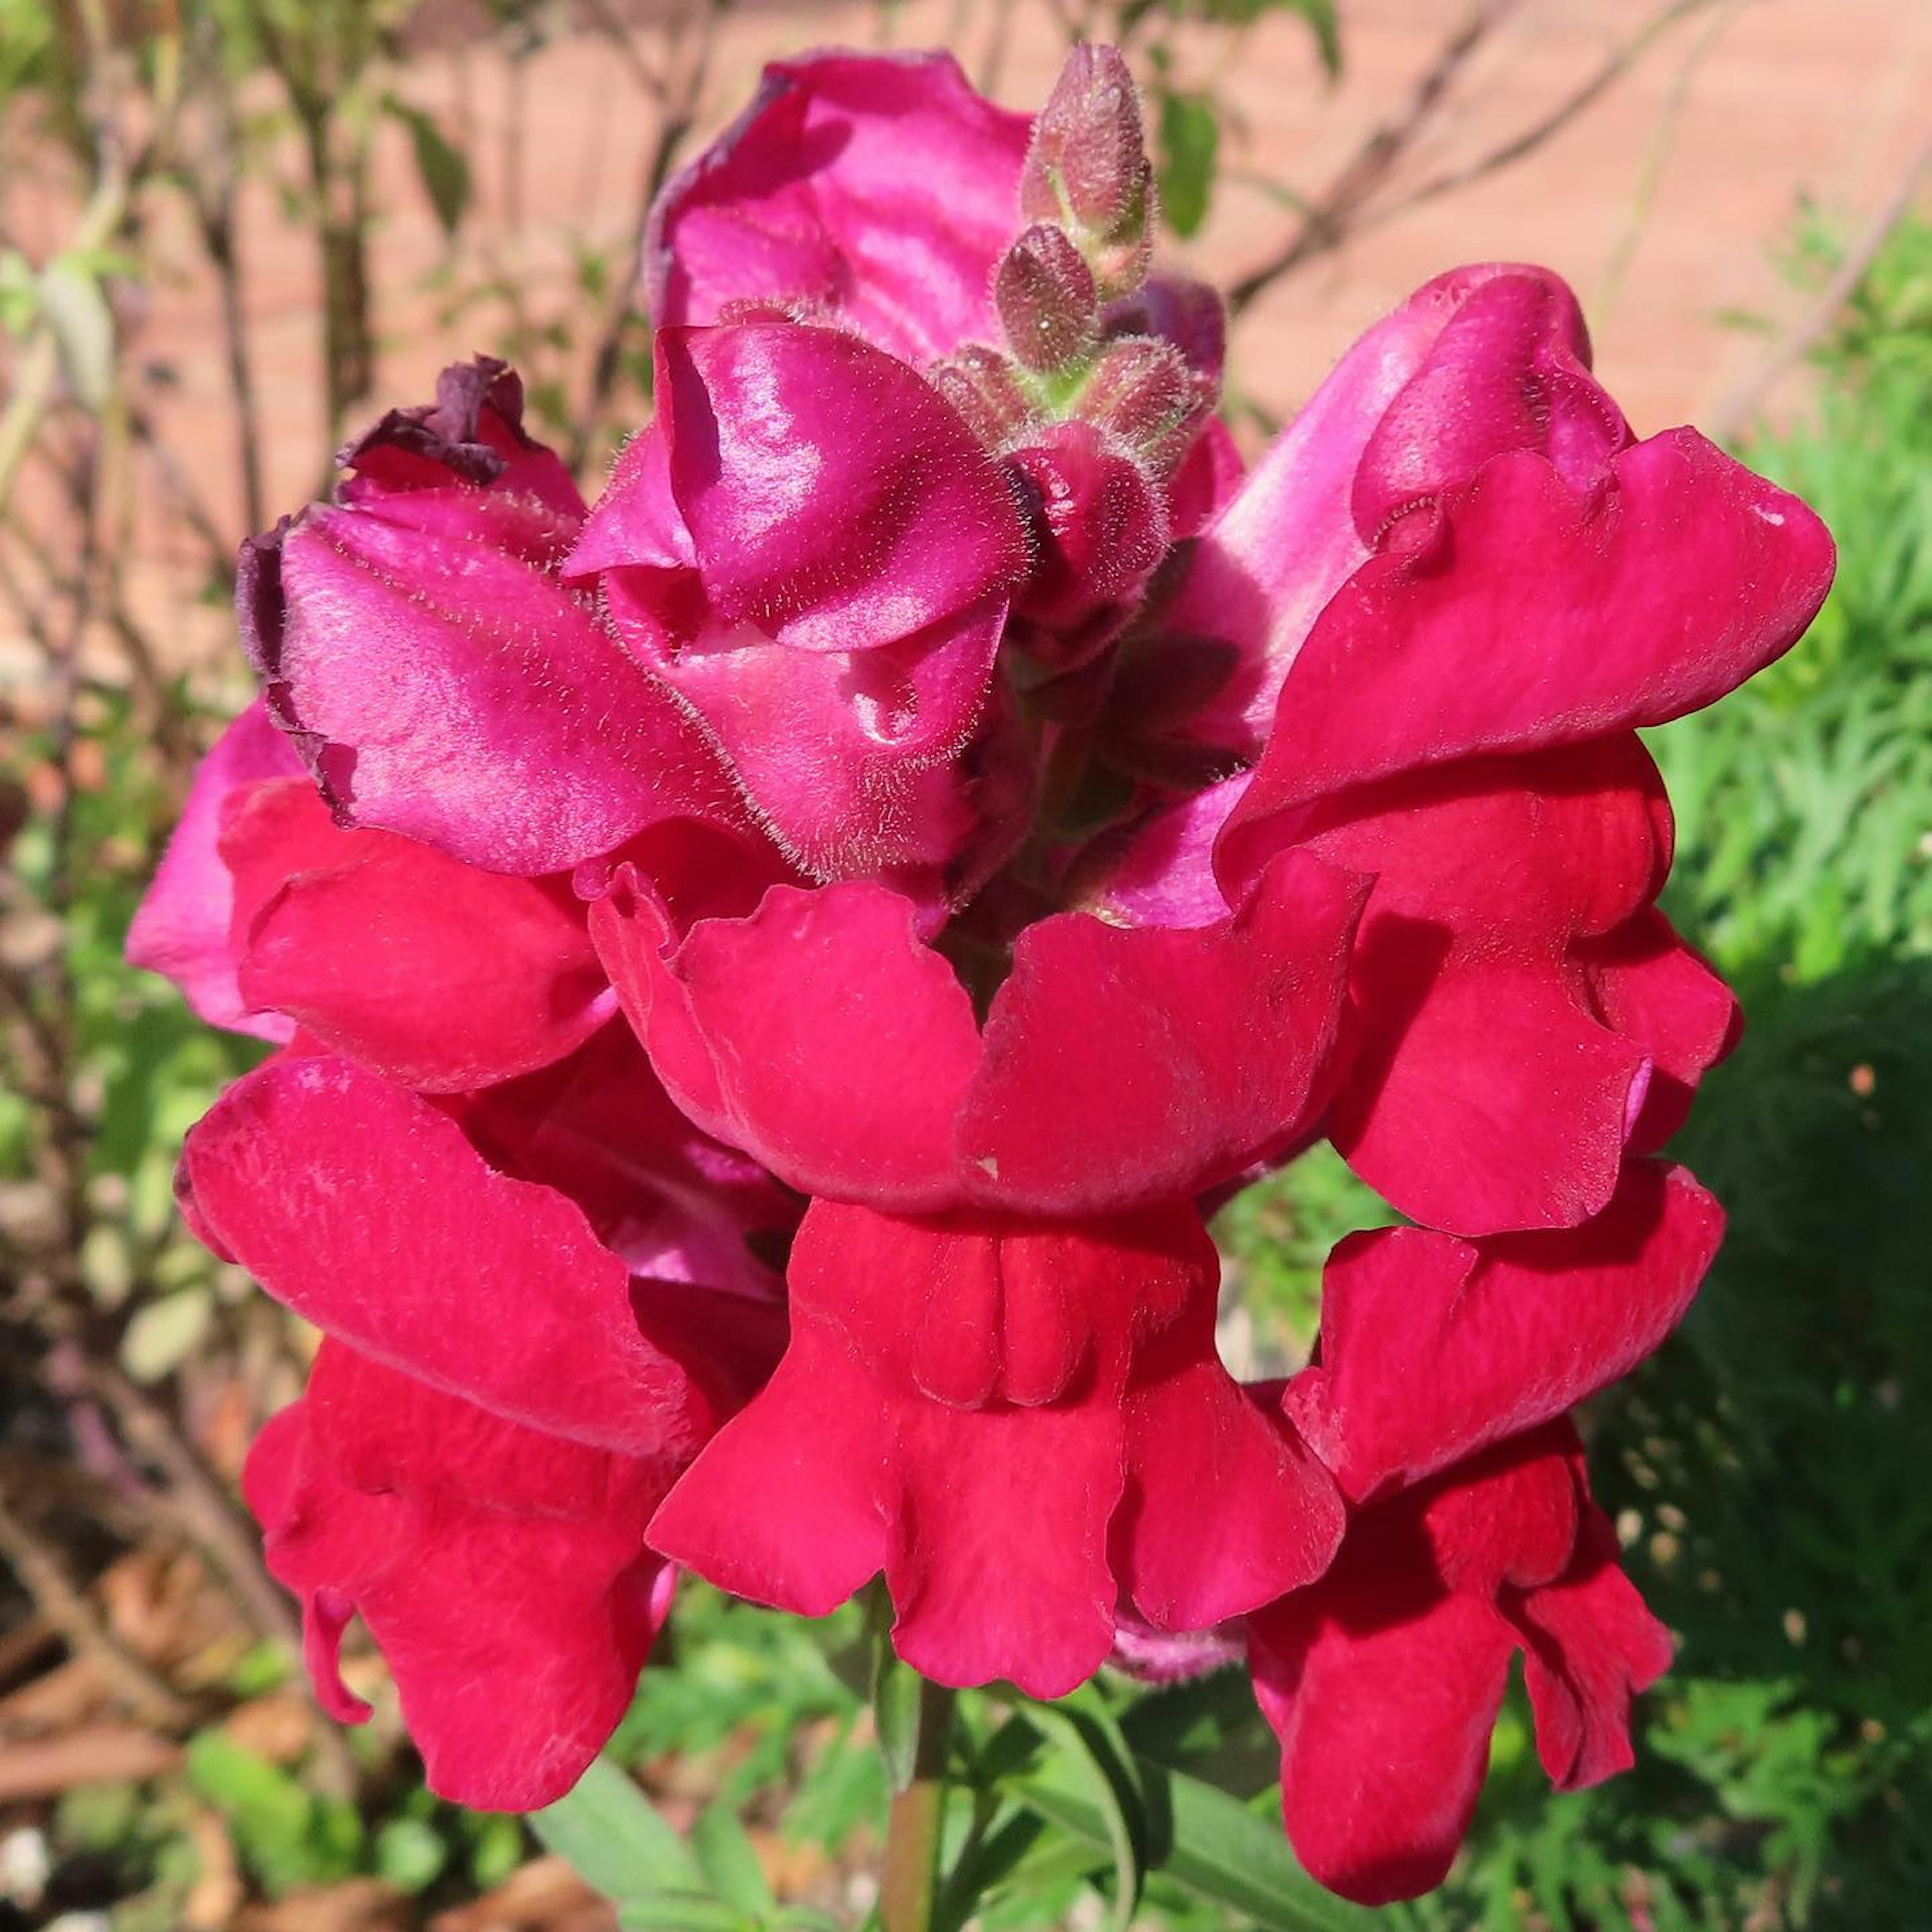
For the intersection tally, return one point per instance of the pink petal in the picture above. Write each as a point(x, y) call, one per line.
point(677, 1205)
point(1657, 991)
point(1130, 1066)
point(790, 1034)
point(1493, 1100)
point(881, 188)
point(785, 1505)
point(1224, 1510)
point(365, 1210)
point(1536, 615)
point(464, 464)
point(441, 686)
point(1383, 1695)
point(181, 927)
point(502, 1572)
point(1592, 1645)
point(835, 500)
point(1487, 1091)
point(1431, 1348)
point(377, 955)
point(1470, 365)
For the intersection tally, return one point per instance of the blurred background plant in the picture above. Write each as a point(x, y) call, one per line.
point(398, 164)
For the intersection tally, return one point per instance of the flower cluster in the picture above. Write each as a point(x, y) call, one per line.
point(770, 970)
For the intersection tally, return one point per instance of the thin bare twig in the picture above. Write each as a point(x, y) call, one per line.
point(677, 116)
point(42, 1574)
point(1329, 220)
point(1342, 213)
point(1521, 146)
point(1733, 416)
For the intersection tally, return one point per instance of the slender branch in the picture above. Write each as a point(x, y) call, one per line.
point(1341, 213)
point(1521, 146)
point(1733, 416)
point(914, 1823)
point(42, 1573)
point(678, 115)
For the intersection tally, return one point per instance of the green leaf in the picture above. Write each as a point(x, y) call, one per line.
point(410, 1854)
point(728, 1862)
point(681, 1912)
point(611, 1835)
point(1203, 1839)
point(896, 1697)
point(444, 169)
point(288, 1837)
point(1104, 1774)
point(75, 308)
point(1190, 139)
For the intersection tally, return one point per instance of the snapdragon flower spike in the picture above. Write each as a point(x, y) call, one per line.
point(876, 191)
point(476, 1489)
point(438, 679)
point(1024, 1425)
point(1383, 1681)
point(810, 548)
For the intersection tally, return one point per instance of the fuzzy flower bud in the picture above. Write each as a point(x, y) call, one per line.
point(1048, 302)
point(1144, 393)
point(1097, 525)
point(985, 387)
point(1087, 167)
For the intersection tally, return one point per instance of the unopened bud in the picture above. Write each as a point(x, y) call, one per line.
point(1189, 314)
point(1045, 295)
point(985, 387)
point(1088, 166)
point(1099, 526)
point(1144, 393)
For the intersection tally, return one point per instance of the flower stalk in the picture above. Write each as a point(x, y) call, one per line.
point(909, 1883)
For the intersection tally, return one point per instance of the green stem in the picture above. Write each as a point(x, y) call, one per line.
point(917, 1816)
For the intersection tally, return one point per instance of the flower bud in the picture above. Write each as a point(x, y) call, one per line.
point(1187, 313)
point(1143, 392)
point(1097, 523)
point(1087, 167)
point(985, 387)
point(1045, 295)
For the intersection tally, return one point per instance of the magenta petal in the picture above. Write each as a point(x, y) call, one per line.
point(1510, 371)
point(1657, 992)
point(1383, 1696)
point(1418, 403)
point(1493, 1100)
point(790, 1034)
point(998, 1565)
point(364, 1209)
point(1226, 1510)
point(438, 976)
point(1539, 615)
point(1592, 1645)
point(835, 500)
point(463, 466)
point(786, 1505)
point(881, 188)
point(444, 689)
point(1130, 1066)
point(502, 1571)
point(1431, 1348)
point(181, 928)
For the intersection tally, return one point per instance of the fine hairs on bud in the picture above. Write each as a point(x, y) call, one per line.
point(1087, 168)
point(1048, 300)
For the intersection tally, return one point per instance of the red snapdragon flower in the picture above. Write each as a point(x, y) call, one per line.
point(772, 967)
